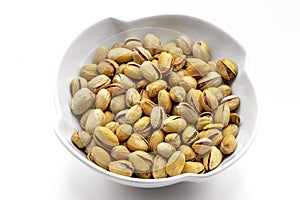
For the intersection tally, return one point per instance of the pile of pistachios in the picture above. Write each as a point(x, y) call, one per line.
point(154, 110)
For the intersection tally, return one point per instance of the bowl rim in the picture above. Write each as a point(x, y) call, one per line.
point(138, 182)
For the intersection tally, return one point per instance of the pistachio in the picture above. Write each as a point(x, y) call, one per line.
point(101, 54)
point(132, 70)
point(208, 100)
point(84, 118)
point(159, 167)
point(173, 139)
point(174, 51)
point(142, 84)
point(165, 63)
point(187, 82)
point(230, 129)
point(89, 147)
point(120, 55)
point(120, 116)
point(156, 138)
point(98, 82)
point(152, 43)
point(115, 89)
point(202, 146)
point(196, 67)
point(189, 135)
point(228, 144)
point(188, 152)
point(179, 62)
point(132, 97)
point(123, 132)
point(213, 125)
point(117, 104)
point(133, 114)
point(157, 117)
point(150, 71)
point(154, 87)
point(99, 156)
point(193, 167)
point(204, 119)
point(82, 101)
point(174, 79)
point(193, 98)
point(201, 50)
point(120, 152)
point(140, 54)
point(124, 81)
point(95, 118)
point(81, 139)
point(225, 90)
point(212, 66)
point(105, 137)
point(212, 79)
point(107, 67)
point(235, 118)
point(132, 43)
point(147, 105)
point(185, 44)
point(109, 116)
point(142, 162)
point(212, 159)
point(174, 124)
point(222, 114)
point(214, 135)
point(89, 71)
point(232, 101)
point(164, 100)
point(175, 163)
point(112, 126)
point(77, 84)
point(122, 167)
point(143, 126)
point(165, 149)
point(103, 99)
point(188, 112)
point(137, 142)
point(227, 68)
point(177, 94)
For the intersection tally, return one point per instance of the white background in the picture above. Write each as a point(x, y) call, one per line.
point(33, 38)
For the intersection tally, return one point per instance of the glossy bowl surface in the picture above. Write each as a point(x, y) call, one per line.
point(166, 27)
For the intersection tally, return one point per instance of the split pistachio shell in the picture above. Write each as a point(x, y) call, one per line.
point(99, 156)
point(173, 139)
point(212, 159)
point(189, 135)
point(122, 167)
point(132, 70)
point(174, 124)
point(132, 43)
point(196, 67)
point(157, 117)
point(227, 68)
point(143, 126)
point(107, 67)
point(123, 80)
point(154, 87)
point(137, 142)
point(147, 105)
point(81, 139)
point(123, 132)
point(140, 54)
point(142, 161)
point(208, 101)
point(193, 98)
point(77, 84)
point(105, 137)
point(99, 82)
point(214, 134)
point(188, 112)
point(222, 114)
point(202, 146)
point(232, 101)
point(150, 72)
point(132, 97)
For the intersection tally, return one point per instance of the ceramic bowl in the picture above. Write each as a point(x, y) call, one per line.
point(166, 27)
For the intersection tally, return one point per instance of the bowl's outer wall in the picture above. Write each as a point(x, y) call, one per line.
point(111, 30)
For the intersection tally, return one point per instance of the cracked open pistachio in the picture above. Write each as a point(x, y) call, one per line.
point(150, 109)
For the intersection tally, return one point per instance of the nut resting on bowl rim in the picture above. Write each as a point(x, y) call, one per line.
point(73, 57)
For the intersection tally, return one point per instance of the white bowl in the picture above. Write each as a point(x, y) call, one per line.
point(166, 27)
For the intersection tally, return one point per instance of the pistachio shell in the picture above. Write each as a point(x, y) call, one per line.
point(77, 84)
point(175, 163)
point(101, 54)
point(212, 159)
point(159, 167)
point(122, 167)
point(102, 100)
point(99, 156)
point(89, 71)
point(228, 144)
point(120, 55)
point(82, 101)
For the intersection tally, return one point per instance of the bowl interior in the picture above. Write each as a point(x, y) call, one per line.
point(110, 31)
